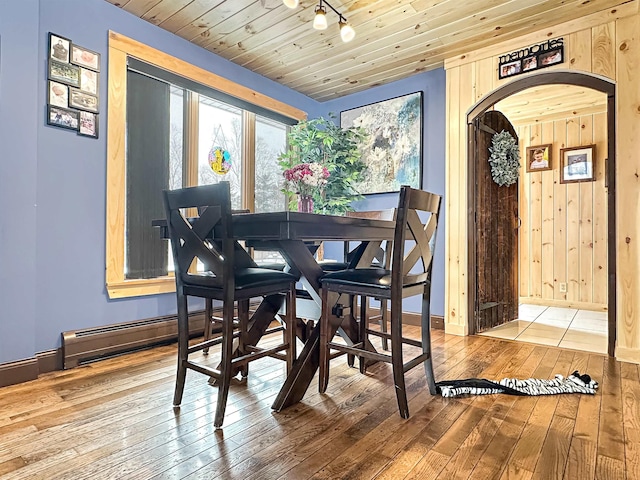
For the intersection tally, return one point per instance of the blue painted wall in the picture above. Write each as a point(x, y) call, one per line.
point(432, 86)
point(52, 181)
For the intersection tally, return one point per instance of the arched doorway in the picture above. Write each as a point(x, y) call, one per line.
point(587, 80)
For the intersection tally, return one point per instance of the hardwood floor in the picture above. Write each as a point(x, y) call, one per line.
point(114, 420)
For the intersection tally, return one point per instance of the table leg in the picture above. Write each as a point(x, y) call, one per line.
point(258, 324)
point(304, 368)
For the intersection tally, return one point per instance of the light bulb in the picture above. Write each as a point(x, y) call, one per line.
point(320, 20)
point(290, 3)
point(347, 33)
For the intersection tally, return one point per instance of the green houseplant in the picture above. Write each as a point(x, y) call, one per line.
point(323, 142)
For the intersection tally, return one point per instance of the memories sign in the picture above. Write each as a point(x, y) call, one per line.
point(531, 58)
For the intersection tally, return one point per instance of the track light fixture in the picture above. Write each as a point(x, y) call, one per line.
point(320, 20)
point(347, 33)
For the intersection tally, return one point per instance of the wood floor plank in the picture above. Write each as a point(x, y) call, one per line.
point(513, 442)
point(358, 460)
point(608, 468)
point(527, 449)
point(114, 419)
point(369, 428)
point(583, 450)
point(496, 452)
point(555, 449)
point(470, 451)
point(631, 411)
point(568, 404)
point(432, 462)
point(405, 460)
point(610, 436)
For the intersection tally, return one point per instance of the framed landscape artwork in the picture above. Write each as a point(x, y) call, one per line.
point(392, 151)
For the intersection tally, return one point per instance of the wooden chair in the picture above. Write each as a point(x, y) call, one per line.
point(381, 259)
point(230, 277)
point(409, 275)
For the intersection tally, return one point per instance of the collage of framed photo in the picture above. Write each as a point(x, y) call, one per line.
point(535, 57)
point(73, 86)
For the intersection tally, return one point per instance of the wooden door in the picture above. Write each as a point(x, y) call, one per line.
point(496, 210)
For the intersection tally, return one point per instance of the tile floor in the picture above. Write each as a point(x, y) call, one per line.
point(561, 327)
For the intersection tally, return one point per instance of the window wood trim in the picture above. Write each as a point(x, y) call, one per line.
point(249, 160)
point(121, 47)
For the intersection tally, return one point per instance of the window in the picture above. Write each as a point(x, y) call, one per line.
point(271, 139)
point(192, 112)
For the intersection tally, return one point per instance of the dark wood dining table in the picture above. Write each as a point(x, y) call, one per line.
point(290, 233)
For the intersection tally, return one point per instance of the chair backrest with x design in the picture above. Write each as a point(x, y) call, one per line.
point(208, 237)
point(414, 239)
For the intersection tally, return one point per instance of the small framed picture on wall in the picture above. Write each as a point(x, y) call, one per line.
point(539, 158)
point(89, 81)
point(82, 100)
point(577, 164)
point(59, 48)
point(62, 117)
point(88, 124)
point(58, 94)
point(84, 57)
point(64, 73)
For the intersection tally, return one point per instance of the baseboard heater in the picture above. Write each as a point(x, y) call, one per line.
point(91, 344)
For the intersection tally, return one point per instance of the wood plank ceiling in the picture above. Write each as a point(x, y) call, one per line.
point(551, 102)
point(395, 38)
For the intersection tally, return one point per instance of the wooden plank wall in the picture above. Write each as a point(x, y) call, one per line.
point(563, 234)
point(605, 43)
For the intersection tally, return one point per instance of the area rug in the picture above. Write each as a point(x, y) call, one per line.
point(574, 383)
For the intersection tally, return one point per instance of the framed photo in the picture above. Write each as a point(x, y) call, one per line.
point(58, 94)
point(62, 117)
point(529, 63)
point(539, 158)
point(59, 48)
point(509, 69)
point(576, 164)
point(89, 81)
point(88, 124)
point(64, 73)
point(392, 151)
point(82, 100)
point(85, 58)
point(551, 58)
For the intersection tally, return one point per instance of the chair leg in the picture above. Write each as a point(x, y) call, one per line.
point(243, 320)
point(383, 322)
point(323, 379)
point(362, 331)
point(425, 321)
point(183, 346)
point(290, 328)
point(225, 364)
point(351, 359)
point(398, 364)
point(208, 324)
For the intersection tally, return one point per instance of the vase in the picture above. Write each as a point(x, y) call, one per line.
point(305, 203)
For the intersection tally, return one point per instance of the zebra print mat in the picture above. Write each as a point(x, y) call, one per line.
point(574, 383)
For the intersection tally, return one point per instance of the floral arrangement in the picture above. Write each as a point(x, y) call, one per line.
point(322, 141)
point(306, 178)
point(504, 159)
